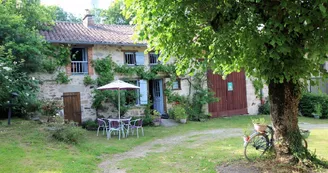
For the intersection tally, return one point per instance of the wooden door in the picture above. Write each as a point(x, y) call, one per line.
point(231, 92)
point(157, 87)
point(72, 107)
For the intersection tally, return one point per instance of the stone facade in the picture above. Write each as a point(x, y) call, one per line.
point(50, 89)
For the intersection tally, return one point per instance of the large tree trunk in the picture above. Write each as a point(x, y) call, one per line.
point(284, 99)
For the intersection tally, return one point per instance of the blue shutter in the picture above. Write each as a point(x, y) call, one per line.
point(140, 58)
point(143, 92)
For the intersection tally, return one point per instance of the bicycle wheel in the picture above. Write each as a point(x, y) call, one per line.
point(304, 143)
point(256, 146)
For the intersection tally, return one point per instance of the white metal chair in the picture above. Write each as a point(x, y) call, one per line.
point(137, 124)
point(126, 125)
point(115, 126)
point(102, 124)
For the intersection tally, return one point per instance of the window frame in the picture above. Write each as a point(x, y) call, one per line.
point(134, 58)
point(84, 66)
point(157, 61)
point(179, 84)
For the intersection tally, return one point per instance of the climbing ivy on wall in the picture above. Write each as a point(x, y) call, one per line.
point(106, 70)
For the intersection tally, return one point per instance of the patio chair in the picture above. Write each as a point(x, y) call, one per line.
point(137, 124)
point(102, 124)
point(115, 126)
point(126, 125)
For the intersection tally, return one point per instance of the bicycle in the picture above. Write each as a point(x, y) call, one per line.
point(260, 142)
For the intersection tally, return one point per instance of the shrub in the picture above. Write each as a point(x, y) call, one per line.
point(87, 80)
point(308, 102)
point(264, 108)
point(179, 112)
point(68, 133)
point(89, 125)
point(62, 78)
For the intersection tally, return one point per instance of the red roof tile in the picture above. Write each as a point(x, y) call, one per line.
point(77, 33)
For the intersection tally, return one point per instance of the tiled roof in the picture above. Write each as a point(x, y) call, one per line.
point(77, 33)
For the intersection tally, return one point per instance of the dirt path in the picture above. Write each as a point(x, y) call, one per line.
point(167, 143)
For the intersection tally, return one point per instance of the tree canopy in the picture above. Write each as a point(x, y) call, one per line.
point(59, 14)
point(281, 42)
point(268, 39)
point(114, 15)
point(23, 51)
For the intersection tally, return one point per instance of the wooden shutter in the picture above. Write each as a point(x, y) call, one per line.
point(140, 58)
point(143, 92)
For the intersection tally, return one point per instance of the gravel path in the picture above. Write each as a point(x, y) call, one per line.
point(166, 144)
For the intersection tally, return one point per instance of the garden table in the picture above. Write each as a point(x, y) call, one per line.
point(122, 122)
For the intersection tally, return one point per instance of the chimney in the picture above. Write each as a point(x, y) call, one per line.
point(88, 19)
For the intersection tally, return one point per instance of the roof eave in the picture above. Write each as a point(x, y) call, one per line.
point(105, 43)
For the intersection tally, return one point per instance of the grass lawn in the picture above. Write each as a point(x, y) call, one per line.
point(26, 147)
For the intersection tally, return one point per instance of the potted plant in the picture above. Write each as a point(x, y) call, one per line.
point(317, 111)
point(260, 124)
point(156, 116)
point(180, 114)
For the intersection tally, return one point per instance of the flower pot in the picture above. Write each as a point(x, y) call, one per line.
point(157, 123)
point(260, 127)
point(183, 121)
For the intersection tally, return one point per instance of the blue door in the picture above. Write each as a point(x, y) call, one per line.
point(158, 95)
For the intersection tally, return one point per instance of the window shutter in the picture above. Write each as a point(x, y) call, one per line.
point(140, 58)
point(143, 92)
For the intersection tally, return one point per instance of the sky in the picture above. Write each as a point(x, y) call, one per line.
point(77, 7)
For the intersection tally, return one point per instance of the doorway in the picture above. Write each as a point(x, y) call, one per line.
point(72, 107)
point(157, 95)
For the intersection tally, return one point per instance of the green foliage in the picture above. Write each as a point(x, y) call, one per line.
point(13, 80)
point(264, 109)
point(260, 121)
point(105, 69)
point(193, 105)
point(318, 109)
point(68, 133)
point(113, 15)
point(245, 35)
point(179, 112)
point(59, 14)
point(310, 100)
point(87, 80)
point(62, 78)
point(19, 32)
point(23, 51)
point(89, 124)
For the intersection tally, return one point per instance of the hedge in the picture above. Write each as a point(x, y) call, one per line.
point(308, 100)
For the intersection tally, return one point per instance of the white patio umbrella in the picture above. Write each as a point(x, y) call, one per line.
point(118, 85)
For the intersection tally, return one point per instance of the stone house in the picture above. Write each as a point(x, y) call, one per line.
point(91, 41)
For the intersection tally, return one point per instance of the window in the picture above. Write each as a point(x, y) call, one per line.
point(79, 61)
point(138, 96)
point(130, 58)
point(133, 96)
point(176, 85)
point(153, 58)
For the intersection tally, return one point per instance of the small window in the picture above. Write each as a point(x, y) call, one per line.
point(176, 85)
point(153, 58)
point(130, 58)
point(133, 96)
point(79, 61)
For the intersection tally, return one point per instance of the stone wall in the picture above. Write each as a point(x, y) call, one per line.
point(50, 89)
point(253, 102)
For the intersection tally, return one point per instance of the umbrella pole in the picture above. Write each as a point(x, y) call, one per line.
point(119, 104)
